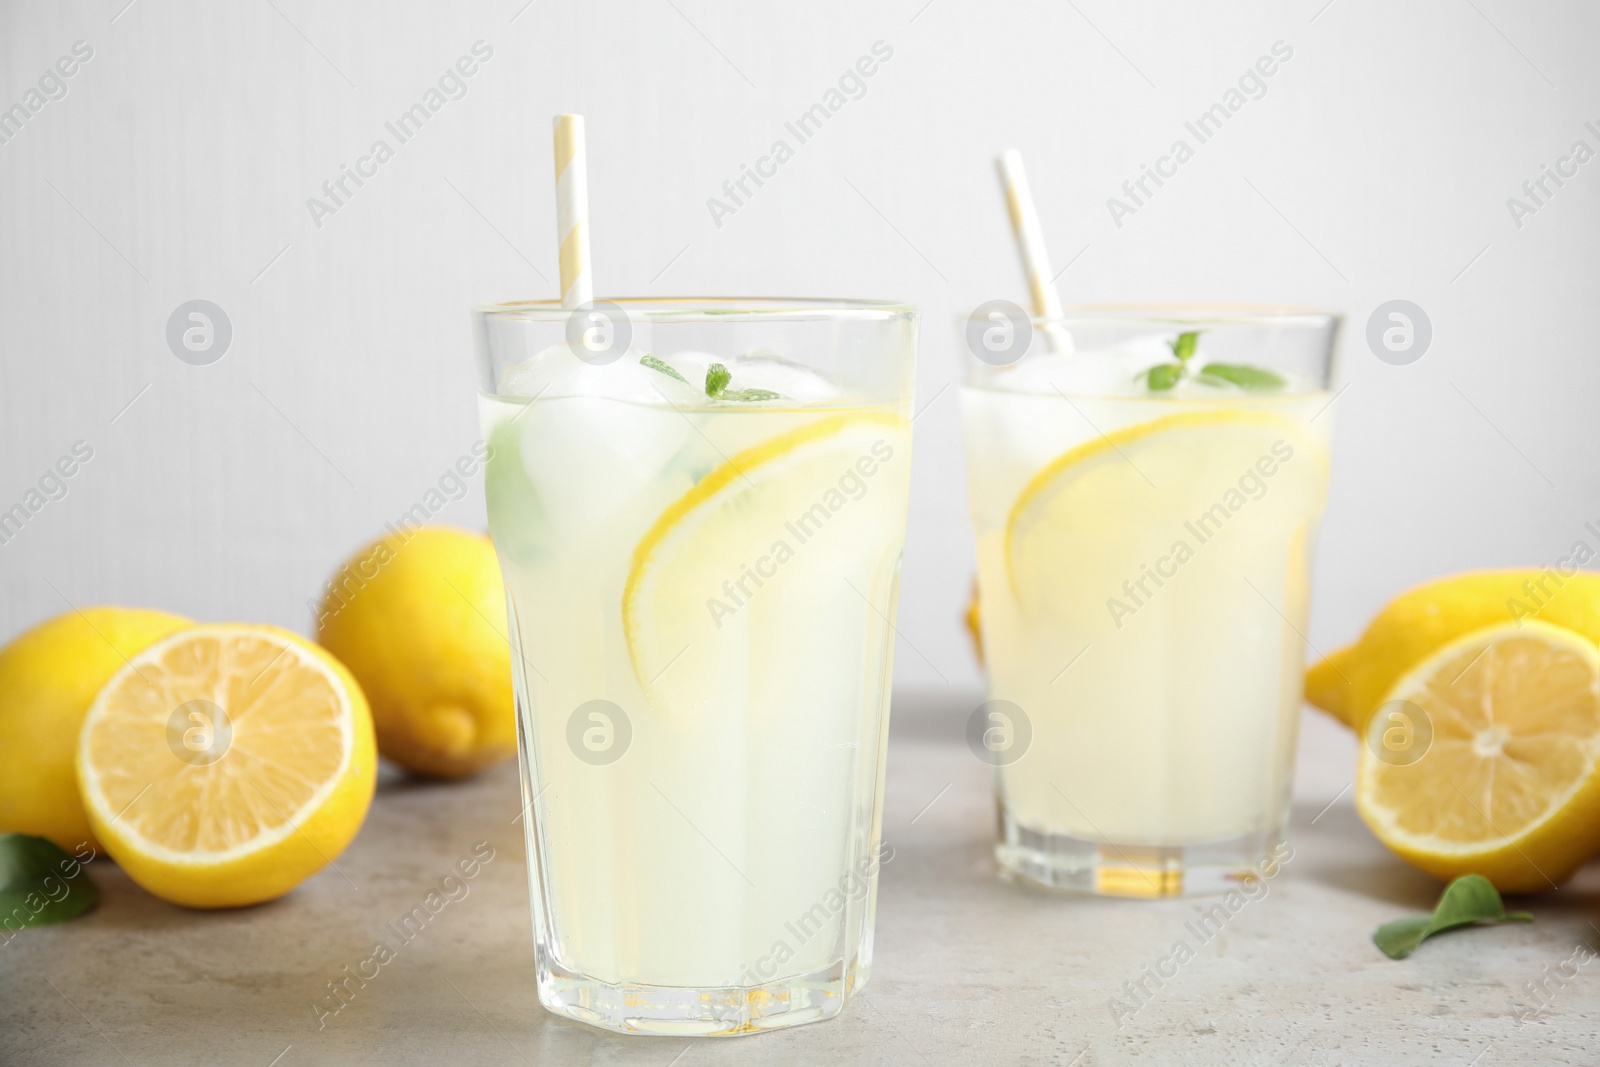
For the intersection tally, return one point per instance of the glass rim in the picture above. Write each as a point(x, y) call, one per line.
point(712, 309)
point(1188, 314)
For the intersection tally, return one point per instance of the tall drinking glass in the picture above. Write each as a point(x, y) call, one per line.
point(1145, 488)
point(699, 507)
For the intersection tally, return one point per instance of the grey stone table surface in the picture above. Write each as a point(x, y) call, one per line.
point(969, 969)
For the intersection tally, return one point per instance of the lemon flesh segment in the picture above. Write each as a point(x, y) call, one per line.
point(1080, 512)
point(720, 589)
point(1508, 784)
point(225, 764)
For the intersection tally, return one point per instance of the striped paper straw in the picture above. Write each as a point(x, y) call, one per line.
point(1030, 241)
point(572, 212)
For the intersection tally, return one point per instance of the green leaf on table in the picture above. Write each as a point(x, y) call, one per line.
point(40, 884)
point(1185, 344)
point(717, 379)
point(1468, 900)
point(1244, 376)
point(663, 366)
point(1163, 376)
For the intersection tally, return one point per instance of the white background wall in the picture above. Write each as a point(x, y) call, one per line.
point(1376, 166)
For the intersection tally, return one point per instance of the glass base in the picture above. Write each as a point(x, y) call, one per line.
point(1104, 868)
point(672, 1011)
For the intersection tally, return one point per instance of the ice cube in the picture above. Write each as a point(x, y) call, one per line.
point(590, 459)
point(755, 370)
point(599, 437)
point(790, 380)
point(558, 372)
point(1083, 373)
point(693, 366)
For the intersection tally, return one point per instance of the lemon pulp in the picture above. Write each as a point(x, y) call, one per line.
point(225, 764)
point(1503, 779)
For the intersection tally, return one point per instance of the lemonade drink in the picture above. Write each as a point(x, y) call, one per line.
point(701, 590)
point(1143, 561)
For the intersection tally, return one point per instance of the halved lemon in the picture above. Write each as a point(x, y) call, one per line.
point(1486, 758)
point(226, 764)
point(1354, 680)
point(1110, 508)
point(722, 601)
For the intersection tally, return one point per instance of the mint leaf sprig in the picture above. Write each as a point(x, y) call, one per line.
point(1467, 901)
point(718, 379)
point(1164, 376)
point(40, 883)
point(1185, 344)
point(663, 366)
point(1243, 375)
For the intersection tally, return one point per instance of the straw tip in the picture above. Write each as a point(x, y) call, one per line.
point(1009, 164)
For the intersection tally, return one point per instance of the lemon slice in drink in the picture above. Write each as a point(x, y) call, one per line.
point(1486, 758)
point(226, 764)
point(1099, 513)
point(722, 598)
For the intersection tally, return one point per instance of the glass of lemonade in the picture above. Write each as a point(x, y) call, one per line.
point(699, 507)
point(1145, 487)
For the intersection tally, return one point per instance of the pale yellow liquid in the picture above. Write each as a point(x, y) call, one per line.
point(1174, 722)
point(718, 851)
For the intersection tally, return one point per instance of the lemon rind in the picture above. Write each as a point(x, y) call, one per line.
point(95, 798)
point(1382, 815)
point(709, 488)
point(1050, 473)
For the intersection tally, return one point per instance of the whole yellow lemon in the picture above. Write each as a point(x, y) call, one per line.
point(419, 617)
point(48, 678)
